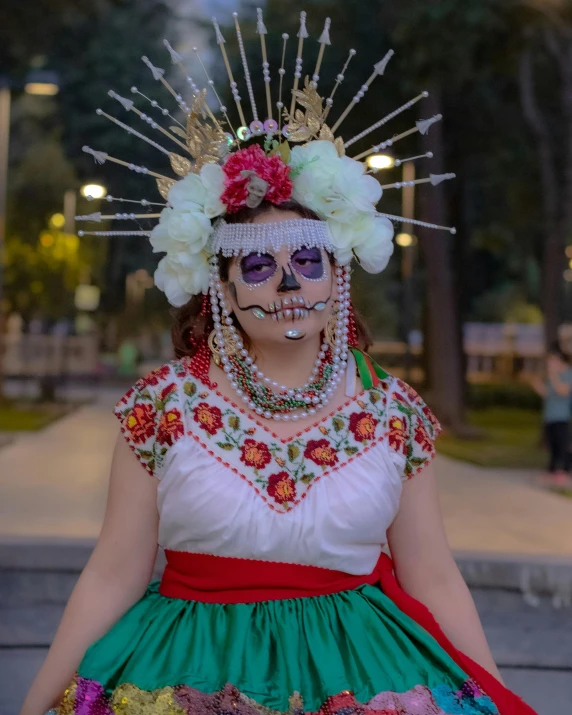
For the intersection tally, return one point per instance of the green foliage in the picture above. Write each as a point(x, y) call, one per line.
point(41, 279)
point(512, 395)
point(509, 438)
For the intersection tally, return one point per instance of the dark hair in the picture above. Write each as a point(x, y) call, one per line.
point(556, 350)
point(192, 322)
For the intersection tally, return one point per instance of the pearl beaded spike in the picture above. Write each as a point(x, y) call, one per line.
point(268, 398)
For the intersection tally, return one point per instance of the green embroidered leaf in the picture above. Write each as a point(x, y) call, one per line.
point(146, 394)
point(417, 461)
point(159, 405)
point(293, 452)
point(307, 478)
point(145, 454)
point(163, 451)
point(189, 388)
point(338, 424)
point(234, 422)
point(350, 451)
point(374, 397)
point(225, 445)
point(151, 465)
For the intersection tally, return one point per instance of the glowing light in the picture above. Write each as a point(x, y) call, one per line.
point(46, 239)
point(569, 251)
point(380, 161)
point(58, 220)
point(41, 89)
point(568, 275)
point(95, 191)
point(404, 240)
point(570, 263)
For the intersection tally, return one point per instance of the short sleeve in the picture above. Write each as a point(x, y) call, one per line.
point(411, 428)
point(151, 417)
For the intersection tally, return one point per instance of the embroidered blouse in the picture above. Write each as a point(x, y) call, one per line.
point(229, 486)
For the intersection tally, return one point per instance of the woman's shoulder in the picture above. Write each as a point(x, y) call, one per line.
point(151, 413)
point(412, 427)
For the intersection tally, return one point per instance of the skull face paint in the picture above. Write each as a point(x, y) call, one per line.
point(291, 290)
point(257, 269)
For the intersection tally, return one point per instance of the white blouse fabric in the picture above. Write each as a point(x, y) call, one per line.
point(228, 486)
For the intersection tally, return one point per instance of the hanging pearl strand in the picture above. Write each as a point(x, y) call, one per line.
point(222, 320)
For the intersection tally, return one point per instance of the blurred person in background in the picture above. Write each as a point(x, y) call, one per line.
point(556, 390)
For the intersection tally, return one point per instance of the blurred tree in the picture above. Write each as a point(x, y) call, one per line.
point(94, 47)
point(546, 93)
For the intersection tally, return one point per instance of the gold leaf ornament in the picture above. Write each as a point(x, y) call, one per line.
point(313, 124)
point(181, 166)
point(179, 131)
point(339, 144)
point(326, 133)
point(164, 185)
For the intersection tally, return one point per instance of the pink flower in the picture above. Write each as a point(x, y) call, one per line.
point(270, 169)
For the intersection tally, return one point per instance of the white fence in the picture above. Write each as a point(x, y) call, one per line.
point(50, 355)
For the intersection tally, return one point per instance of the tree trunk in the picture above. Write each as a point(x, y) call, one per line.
point(553, 246)
point(445, 364)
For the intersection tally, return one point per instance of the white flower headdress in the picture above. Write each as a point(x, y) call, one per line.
point(292, 154)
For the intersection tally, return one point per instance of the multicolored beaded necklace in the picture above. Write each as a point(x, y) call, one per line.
point(268, 400)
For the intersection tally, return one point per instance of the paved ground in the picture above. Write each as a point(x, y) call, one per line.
point(53, 489)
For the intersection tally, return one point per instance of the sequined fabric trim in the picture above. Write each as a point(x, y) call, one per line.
point(87, 697)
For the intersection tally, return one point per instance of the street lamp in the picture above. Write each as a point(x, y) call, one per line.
point(43, 83)
point(93, 191)
point(380, 161)
point(89, 191)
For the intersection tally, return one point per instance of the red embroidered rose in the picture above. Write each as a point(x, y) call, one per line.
point(170, 427)
point(166, 391)
point(255, 454)
point(209, 417)
point(154, 377)
point(140, 422)
point(423, 439)
point(270, 169)
point(281, 487)
point(321, 452)
point(363, 425)
point(397, 433)
point(410, 392)
point(431, 417)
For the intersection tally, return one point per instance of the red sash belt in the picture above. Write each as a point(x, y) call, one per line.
point(219, 579)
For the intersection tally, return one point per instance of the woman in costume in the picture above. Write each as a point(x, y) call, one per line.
point(274, 500)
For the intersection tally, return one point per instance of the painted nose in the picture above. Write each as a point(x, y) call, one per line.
point(288, 282)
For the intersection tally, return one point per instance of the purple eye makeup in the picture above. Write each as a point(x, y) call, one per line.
point(309, 264)
point(256, 269)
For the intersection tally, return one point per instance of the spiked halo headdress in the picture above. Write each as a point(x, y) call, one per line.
point(293, 153)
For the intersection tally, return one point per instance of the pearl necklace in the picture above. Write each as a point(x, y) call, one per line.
point(222, 319)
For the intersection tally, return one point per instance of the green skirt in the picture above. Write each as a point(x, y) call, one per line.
point(342, 654)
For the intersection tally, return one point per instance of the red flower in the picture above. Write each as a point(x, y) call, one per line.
point(154, 377)
point(140, 422)
point(431, 417)
point(209, 418)
point(170, 427)
point(255, 454)
point(423, 439)
point(410, 392)
point(321, 452)
point(363, 425)
point(281, 487)
point(166, 391)
point(398, 433)
point(270, 169)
